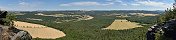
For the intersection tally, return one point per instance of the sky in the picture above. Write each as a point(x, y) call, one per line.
point(32, 5)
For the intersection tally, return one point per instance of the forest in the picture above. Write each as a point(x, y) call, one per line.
point(92, 29)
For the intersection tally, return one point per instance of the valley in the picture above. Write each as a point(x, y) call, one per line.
point(87, 25)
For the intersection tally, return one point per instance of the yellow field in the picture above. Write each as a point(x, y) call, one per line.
point(39, 31)
point(150, 14)
point(122, 24)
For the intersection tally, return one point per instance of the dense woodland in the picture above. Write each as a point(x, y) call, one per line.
point(92, 29)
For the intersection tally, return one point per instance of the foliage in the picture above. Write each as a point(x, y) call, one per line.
point(168, 15)
point(143, 20)
point(9, 19)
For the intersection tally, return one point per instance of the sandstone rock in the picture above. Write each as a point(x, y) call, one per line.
point(10, 32)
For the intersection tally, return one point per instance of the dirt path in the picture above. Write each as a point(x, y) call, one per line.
point(39, 31)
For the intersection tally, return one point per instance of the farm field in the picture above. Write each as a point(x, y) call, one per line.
point(39, 31)
point(122, 24)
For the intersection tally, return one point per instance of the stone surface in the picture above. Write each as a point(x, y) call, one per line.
point(2, 15)
point(10, 32)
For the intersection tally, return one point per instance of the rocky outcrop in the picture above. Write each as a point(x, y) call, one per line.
point(10, 32)
point(168, 29)
point(2, 15)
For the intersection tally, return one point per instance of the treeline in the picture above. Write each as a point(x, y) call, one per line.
point(144, 20)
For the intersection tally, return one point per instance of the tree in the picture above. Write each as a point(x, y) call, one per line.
point(9, 19)
point(168, 15)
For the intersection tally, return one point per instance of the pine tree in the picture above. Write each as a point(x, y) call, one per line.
point(6, 18)
point(9, 19)
point(168, 15)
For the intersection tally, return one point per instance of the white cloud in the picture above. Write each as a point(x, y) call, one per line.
point(135, 4)
point(29, 5)
point(125, 4)
point(136, 0)
point(120, 1)
point(86, 4)
point(155, 4)
point(109, 0)
point(141, 0)
point(24, 4)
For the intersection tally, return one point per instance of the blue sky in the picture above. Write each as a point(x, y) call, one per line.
point(31, 5)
